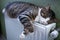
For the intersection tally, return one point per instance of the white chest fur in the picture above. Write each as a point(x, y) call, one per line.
point(40, 19)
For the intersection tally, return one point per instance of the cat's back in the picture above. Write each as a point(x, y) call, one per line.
point(17, 7)
point(20, 4)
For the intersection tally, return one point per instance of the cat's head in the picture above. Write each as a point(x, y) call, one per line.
point(46, 12)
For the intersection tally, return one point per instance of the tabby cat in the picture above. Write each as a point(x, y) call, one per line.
point(27, 12)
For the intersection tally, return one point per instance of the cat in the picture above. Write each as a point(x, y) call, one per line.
point(45, 16)
point(27, 12)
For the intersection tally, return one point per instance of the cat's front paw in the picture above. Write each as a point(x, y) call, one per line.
point(22, 36)
point(26, 31)
point(29, 29)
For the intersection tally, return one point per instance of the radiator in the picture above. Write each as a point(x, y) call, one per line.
point(41, 32)
point(14, 28)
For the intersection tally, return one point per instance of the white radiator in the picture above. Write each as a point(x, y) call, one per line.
point(14, 28)
point(41, 32)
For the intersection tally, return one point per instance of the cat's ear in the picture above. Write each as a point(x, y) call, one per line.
point(47, 7)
